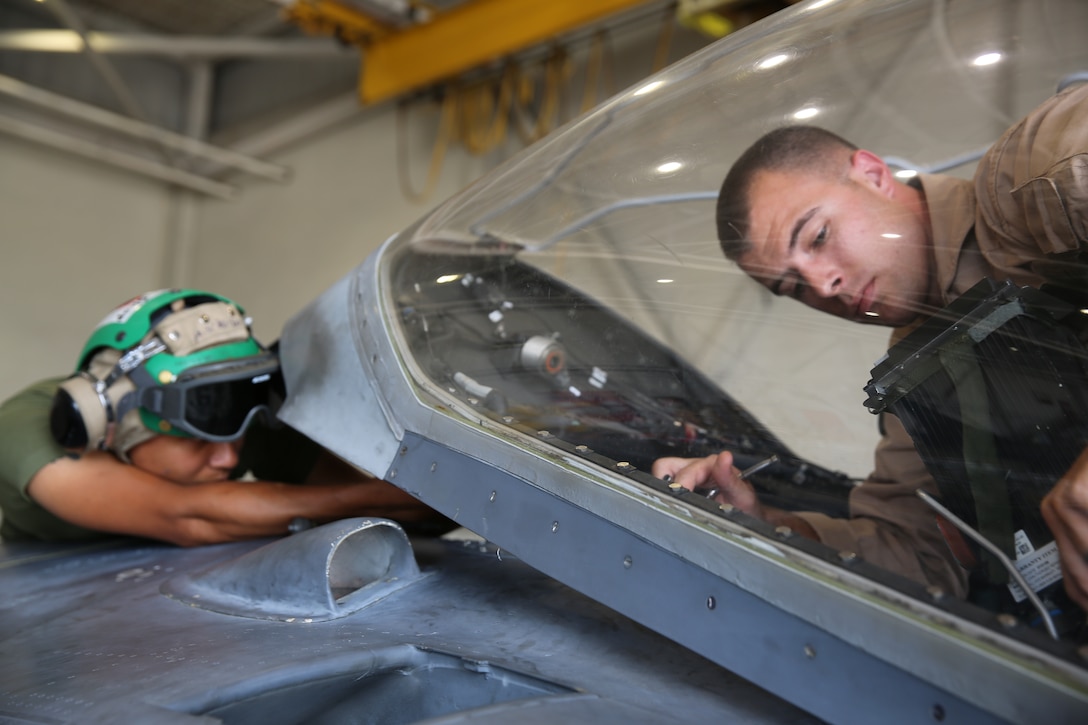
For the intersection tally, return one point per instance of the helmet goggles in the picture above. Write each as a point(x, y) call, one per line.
point(216, 401)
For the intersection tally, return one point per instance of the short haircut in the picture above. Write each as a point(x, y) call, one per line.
point(789, 148)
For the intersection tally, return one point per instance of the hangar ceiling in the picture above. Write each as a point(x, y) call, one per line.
point(194, 92)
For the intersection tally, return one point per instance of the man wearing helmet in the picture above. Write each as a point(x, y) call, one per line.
point(171, 403)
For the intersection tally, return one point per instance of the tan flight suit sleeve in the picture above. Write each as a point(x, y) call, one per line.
point(889, 525)
point(1033, 184)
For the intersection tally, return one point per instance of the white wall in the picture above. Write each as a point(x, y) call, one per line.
point(278, 247)
point(78, 239)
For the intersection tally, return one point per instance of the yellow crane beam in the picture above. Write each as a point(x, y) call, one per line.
point(328, 17)
point(399, 60)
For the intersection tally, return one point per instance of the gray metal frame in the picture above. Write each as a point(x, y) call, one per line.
point(801, 623)
point(96, 634)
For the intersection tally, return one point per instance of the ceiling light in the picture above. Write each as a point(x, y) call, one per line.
point(906, 174)
point(986, 59)
point(806, 113)
point(649, 87)
point(773, 61)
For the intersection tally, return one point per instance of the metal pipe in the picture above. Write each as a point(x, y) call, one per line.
point(120, 159)
point(179, 253)
point(317, 119)
point(105, 69)
point(116, 122)
point(195, 47)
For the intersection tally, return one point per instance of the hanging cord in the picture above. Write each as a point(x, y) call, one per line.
point(556, 71)
point(478, 115)
point(484, 111)
point(990, 547)
point(438, 150)
point(664, 41)
point(599, 64)
point(594, 62)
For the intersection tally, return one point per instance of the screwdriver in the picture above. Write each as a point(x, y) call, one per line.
point(750, 470)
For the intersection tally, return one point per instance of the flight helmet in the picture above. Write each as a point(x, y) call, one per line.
point(178, 362)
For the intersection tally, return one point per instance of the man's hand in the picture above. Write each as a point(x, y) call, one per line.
point(718, 472)
point(383, 498)
point(715, 471)
point(1065, 510)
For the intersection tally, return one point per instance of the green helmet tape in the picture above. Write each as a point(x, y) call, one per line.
point(127, 324)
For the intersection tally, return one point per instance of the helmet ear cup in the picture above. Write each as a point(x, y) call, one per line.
point(78, 419)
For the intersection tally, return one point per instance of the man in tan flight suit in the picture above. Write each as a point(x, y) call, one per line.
point(811, 216)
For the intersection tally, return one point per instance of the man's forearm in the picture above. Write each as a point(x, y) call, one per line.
point(248, 509)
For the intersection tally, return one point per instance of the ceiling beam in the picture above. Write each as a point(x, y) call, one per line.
point(138, 129)
point(195, 47)
point(100, 63)
point(130, 162)
point(470, 35)
point(329, 17)
point(400, 60)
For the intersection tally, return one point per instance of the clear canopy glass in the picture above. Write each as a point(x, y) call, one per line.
point(581, 288)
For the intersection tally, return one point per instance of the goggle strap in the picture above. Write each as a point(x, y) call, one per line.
point(162, 401)
point(135, 399)
point(133, 359)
